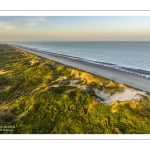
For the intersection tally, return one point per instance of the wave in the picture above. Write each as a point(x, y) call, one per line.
point(121, 68)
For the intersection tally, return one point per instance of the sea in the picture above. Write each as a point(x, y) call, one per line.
point(118, 55)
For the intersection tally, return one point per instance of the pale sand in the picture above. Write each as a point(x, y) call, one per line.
point(3, 72)
point(132, 80)
point(127, 94)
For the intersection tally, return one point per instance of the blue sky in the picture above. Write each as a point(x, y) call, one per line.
point(74, 28)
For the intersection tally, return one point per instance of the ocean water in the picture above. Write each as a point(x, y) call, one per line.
point(134, 55)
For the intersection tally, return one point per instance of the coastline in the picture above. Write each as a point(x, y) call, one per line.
point(130, 79)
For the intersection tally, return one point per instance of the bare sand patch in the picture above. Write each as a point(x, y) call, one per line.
point(21, 115)
point(4, 88)
point(73, 82)
point(127, 94)
point(3, 72)
point(4, 111)
point(56, 85)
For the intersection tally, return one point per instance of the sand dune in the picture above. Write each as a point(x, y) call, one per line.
point(127, 94)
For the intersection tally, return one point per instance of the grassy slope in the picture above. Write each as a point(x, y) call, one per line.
point(35, 99)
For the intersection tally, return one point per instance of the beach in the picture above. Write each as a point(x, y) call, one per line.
point(119, 76)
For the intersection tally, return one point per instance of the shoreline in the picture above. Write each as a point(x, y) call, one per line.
point(139, 72)
point(130, 79)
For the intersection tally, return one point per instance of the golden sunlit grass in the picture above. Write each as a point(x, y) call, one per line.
point(3, 72)
point(46, 97)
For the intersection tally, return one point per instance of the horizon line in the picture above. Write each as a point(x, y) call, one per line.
point(79, 41)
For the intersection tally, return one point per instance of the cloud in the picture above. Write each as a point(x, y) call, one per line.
point(39, 19)
point(31, 24)
point(33, 21)
point(6, 25)
point(30, 21)
point(22, 21)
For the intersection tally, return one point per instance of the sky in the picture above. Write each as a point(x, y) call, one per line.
point(74, 28)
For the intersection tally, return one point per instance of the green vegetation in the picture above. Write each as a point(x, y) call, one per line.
point(42, 96)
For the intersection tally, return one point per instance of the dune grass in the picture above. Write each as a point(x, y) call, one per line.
point(33, 104)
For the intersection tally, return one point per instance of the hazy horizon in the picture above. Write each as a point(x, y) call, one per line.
point(71, 41)
point(74, 28)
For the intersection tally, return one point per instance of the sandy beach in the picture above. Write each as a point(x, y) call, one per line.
point(119, 76)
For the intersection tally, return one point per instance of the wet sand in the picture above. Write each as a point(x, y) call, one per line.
point(119, 76)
